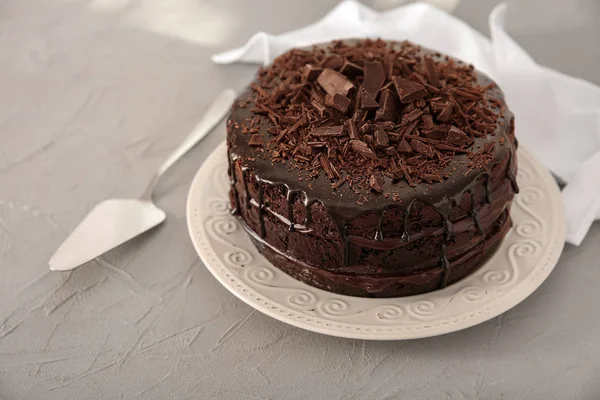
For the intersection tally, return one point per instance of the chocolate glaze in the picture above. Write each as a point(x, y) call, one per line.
point(342, 207)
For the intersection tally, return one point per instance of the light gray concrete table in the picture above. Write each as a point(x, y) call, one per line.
point(93, 95)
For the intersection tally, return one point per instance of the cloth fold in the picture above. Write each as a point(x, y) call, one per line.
point(557, 116)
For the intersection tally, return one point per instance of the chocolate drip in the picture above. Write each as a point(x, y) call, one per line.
point(475, 215)
point(246, 190)
point(232, 182)
point(511, 176)
point(513, 180)
point(307, 205)
point(379, 232)
point(405, 234)
point(342, 226)
point(290, 204)
point(487, 179)
point(445, 266)
point(261, 217)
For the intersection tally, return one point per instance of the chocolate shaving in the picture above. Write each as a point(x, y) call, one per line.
point(352, 129)
point(326, 166)
point(325, 131)
point(411, 116)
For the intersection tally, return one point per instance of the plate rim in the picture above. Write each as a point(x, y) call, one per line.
point(318, 324)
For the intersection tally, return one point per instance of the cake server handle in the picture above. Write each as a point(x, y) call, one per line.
point(216, 112)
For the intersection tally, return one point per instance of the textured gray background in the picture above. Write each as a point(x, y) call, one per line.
point(93, 95)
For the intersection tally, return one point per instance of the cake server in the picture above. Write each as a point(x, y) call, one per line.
point(115, 221)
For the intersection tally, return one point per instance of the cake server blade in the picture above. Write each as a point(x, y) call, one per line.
point(115, 221)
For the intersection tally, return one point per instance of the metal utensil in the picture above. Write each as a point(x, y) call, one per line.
point(115, 221)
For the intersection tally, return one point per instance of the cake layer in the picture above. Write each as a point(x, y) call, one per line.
point(389, 285)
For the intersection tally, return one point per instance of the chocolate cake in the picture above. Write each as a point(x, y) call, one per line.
point(372, 168)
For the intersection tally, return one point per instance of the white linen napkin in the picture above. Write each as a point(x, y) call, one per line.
point(557, 116)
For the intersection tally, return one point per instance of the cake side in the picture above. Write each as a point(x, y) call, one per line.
point(398, 223)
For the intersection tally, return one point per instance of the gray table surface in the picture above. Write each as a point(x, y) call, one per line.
point(93, 95)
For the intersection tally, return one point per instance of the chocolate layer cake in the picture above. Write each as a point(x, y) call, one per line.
point(372, 168)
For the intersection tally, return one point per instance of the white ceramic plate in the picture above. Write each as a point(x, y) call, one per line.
point(522, 262)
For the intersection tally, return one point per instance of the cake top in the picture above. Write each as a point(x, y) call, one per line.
point(365, 112)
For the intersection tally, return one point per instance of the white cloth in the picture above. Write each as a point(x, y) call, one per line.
point(557, 116)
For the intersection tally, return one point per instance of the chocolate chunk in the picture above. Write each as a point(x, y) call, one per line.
point(334, 83)
point(409, 91)
point(366, 101)
point(457, 137)
point(446, 113)
point(352, 129)
point(422, 148)
point(411, 116)
point(428, 122)
point(404, 147)
point(334, 61)
point(351, 70)
point(256, 140)
point(390, 151)
point(311, 73)
point(381, 139)
point(374, 76)
point(389, 107)
point(324, 131)
point(432, 74)
point(388, 67)
point(363, 149)
point(337, 101)
point(376, 183)
point(438, 132)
